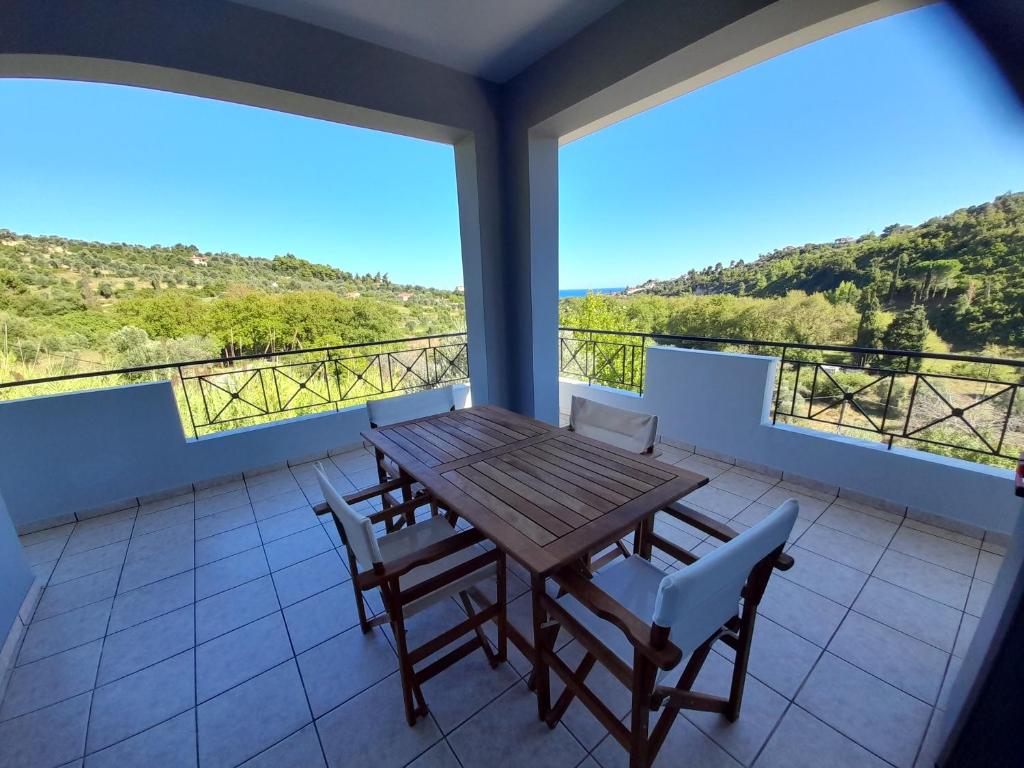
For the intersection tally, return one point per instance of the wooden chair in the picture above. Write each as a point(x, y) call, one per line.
point(391, 410)
point(640, 623)
point(415, 568)
point(628, 430)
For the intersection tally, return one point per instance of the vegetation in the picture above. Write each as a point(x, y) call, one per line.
point(954, 283)
point(965, 269)
point(68, 305)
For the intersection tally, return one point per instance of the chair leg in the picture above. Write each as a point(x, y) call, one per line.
point(643, 685)
point(492, 658)
point(567, 697)
point(686, 681)
point(405, 667)
point(364, 623)
point(756, 585)
point(501, 595)
point(739, 669)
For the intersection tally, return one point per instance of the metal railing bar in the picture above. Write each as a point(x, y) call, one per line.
point(813, 347)
point(222, 360)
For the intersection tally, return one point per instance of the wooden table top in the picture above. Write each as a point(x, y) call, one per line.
point(545, 495)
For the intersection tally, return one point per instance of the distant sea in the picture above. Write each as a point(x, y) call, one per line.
point(565, 293)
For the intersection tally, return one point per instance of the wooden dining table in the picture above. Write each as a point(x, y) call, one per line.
point(547, 497)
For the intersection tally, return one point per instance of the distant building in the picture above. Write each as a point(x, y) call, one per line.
point(352, 295)
point(845, 240)
point(405, 296)
point(199, 260)
point(459, 289)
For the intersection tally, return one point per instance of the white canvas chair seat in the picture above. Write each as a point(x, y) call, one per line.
point(416, 537)
point(642, 624)
point(696, 601)
point(628, 430)
point(633, 583)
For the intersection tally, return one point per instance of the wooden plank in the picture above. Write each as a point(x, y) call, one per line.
point(580, 500)
point(603, 458)
point(579, 471)
point(494, 526)
point(424, 445)
point(483, 428)
point(532, 493)
point(521, 523)
point(604, 472)
point(411, 448)
point(466, 434)
point(466, 461)
point(566, 475)
point(619, 522)
point(507, 434)
point(638, 461)
point(425, 430)
point(396, 448)
point(514, 421)
point(520, 504)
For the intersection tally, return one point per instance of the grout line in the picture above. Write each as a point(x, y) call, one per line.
point(195, 634)
point(106, 629)
point(295, 658)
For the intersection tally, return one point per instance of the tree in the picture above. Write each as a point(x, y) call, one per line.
point(106, 290)
point(945, 273)
point(871, 327)
point(845, 293)
point(908, 331)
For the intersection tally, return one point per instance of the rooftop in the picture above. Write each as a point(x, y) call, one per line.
point(216, 626)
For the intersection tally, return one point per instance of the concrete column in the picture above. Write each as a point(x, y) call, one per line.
point(529, 165)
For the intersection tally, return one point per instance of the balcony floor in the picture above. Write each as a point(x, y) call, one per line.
point(219, 627)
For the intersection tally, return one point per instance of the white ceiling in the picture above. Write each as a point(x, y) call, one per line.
point(493, 39)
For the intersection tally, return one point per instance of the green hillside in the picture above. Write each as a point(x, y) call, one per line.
point(109, 304)
point(965, 268)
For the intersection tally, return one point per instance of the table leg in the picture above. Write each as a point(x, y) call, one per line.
point(540, 670)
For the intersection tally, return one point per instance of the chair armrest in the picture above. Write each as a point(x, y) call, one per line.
point(398, 509)
point(374, 490)
point(604, 606)
point(323, 508)
point(714, 528)
point(430, 553)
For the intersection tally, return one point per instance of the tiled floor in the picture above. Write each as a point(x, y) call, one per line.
point(219, 628)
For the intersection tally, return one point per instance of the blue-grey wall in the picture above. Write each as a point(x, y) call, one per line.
point(721, 402)
point(101, 448)
point(15, 576)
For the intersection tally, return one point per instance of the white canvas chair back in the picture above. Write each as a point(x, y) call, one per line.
point(392, 410)
point(358, 530)
point(697, 600)
point(624, 429)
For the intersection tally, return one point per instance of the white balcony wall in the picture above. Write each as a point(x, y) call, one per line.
point(103, 449)
point(722, 402)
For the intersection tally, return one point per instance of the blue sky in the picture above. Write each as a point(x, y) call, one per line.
point(113, 163)
point(895, 121)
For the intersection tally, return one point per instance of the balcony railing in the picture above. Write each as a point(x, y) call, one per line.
point(956, 405)
point(230, 392)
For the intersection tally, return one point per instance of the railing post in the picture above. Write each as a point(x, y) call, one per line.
point(188, 404)
point(643, 361)
point(778, 386)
